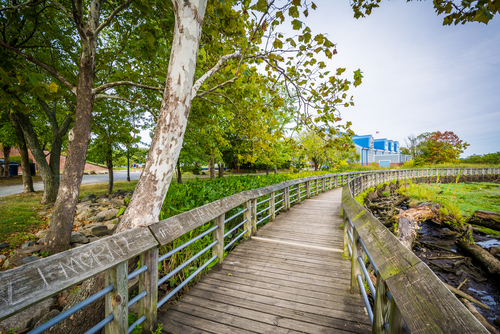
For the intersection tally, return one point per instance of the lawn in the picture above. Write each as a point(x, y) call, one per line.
point(19, 219)
point(14, 180)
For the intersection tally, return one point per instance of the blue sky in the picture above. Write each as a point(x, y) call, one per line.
point(419, 76)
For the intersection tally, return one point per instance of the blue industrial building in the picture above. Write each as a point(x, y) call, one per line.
point(382, 151)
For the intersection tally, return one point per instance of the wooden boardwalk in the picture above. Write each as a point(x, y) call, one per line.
point(289, 278)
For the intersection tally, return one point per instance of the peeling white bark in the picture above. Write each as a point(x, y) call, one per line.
point(146, 203)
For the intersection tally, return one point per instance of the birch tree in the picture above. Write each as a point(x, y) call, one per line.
point(289, 61)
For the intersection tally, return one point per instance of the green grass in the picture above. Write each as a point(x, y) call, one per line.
point(14, 180)
point(457, 199)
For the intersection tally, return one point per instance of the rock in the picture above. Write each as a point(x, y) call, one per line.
point(84, 215)
point(114, 221)
point(118, 201)
point(41, 233)
point(104, 201)
point(78, 224)
point(83, 204)
point(92, 239)
point(4, 245)
point(47, 317)
point(96, 219)
point(111, 228)
point(108, 214)
point(78, 245)
point(27, 250)
point(13, 259)
point(27, 260)
point(41, 213)
point(28, 244)
point(495, 251)
point(41, 241)
point(77, 238)
point(90, 198)
point(2, 257)
point(99, 231)
point(23, 319)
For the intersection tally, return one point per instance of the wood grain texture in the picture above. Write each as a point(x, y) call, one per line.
point(148, 281)
point(427, 306)
point(116, 302)
point(268, 287)
point(23, 286)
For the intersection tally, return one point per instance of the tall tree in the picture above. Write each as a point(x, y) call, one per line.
point(82, 29)
point(289, 61)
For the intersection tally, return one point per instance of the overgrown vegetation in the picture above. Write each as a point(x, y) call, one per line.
point(457, 200)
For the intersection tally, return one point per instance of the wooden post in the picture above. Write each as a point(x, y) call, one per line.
point(347, 226)
point(247, 215)
point(355, 266)
point(298, 193)
point(218, 234)
point(116, 301)
point(272, 204)
point(254, 215)
point(308, 189)
point(324, 184)
point(379, 307)
point(148, 281)
point(286, 192)
point(396, 321)
point(336, 181)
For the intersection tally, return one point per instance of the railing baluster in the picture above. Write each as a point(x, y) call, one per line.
point(218, 234)
point(148, 281)
point(254, 215)
point(308, 189)
point(379, 307)
point(247, 216)
point(355, 267)
point(116, 302)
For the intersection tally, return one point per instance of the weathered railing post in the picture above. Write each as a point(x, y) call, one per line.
point(286, 193)
point(298, 193)
point(248, 216)
point(355, 266)
point(116, 302)
point(324, 184)
point(272, 204)
point(336, 181)
point(308, 189)
point(347, 226)
point(396, 322)
point(218, 234)
point(254, 215)
point(148, 282)
point(380, 307)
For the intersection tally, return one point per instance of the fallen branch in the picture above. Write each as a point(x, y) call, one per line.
point(466, 296)
point(478, 316)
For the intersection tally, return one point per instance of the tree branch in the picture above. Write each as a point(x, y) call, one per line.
point(63, 9)
point(111, 16)
point(115, 97)
point(42, 65)
point(123, 83)
point(211, 72)
point(24, 4)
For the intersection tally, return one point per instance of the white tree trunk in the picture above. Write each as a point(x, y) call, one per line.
point(146, 203)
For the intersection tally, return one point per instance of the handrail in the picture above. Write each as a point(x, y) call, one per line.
point(29, 284)
point(420, 302)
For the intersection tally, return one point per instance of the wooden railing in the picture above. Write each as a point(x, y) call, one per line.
point(408, 297)
point(31, 283)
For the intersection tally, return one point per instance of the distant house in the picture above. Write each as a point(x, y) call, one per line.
point(384, 152)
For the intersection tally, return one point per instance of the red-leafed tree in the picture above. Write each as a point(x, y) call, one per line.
point(443, 147)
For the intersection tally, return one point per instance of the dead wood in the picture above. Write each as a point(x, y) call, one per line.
point(488, 261)
point(478, 316)
point(407, 231)
point(466, 296)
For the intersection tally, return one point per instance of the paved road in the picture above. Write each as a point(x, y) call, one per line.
point(87, 179)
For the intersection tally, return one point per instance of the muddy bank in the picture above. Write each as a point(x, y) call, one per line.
point(436, 243)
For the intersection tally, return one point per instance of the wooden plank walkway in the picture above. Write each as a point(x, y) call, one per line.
point(289, 278)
